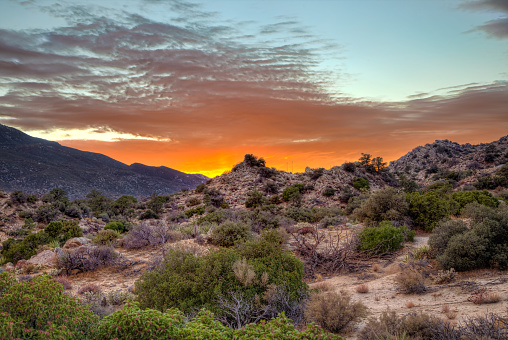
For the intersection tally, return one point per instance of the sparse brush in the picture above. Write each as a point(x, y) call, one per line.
point(421, 253)
point(482, 296)
point(323, 287)
point(362, 289)
point(90, 288)
point(64, 281)
point(445, 276)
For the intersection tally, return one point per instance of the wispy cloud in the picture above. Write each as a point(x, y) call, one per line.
point(498, 27)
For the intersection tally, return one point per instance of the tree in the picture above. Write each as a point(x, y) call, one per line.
point(365, 159)
point(378, 163)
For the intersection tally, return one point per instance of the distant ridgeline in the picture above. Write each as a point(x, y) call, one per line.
point(35, 165)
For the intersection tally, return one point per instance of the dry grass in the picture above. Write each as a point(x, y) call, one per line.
point(482, 296)
point(410, 304)
point(323, 287)
point(89, 288)
point(375, 267)
point(362, 289)
point(411, 282)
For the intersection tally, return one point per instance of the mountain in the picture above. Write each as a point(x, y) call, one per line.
point(444, 159)
point(36, 166)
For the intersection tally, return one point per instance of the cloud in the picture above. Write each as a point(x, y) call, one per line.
point(497, 28)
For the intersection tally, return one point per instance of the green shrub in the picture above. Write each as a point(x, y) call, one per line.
point(148, 214)
point(188, 282)
point(54, 228)
point(46, 214)
point(116, 226)
point(193, 201)
point(442, 234)
point(383, 205)
point(427, 209)
point(329, 192)
point(200, 188)
point(335, 312)
point(385, 238)
point(292, 193)
point(254, 199)
point(464, 198)
point(106, 237)
point(349, 167)
point(230, 233)
point(361, 183)
point(195, 211)
point(41, 310)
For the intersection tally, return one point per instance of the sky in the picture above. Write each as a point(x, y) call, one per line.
point(196, 85)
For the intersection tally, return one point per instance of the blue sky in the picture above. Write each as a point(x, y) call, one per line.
point(320, 81)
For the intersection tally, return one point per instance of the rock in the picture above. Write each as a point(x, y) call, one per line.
point(76, 242)
point(9, 266)
point(59, 252)
point(46, 258)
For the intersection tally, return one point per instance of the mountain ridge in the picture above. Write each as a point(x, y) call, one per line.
point(36, 165)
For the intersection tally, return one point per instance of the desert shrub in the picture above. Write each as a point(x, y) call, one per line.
point(41, 310)
point(466, 197)
point(200, 188)
point(349, 167)
point(140, 236)
point(193, 201)
point(188, 282)
point(465, 252)
point(334, 312)
point(409, 326)
point(483, 296)
point(229, 233)
point(64, 281)
point(421, 253)
point(22, 197)
point(106, 237)
point(383, 205)
point(123, 205)
point(254, 199)
point(90, 288)
point(213, 197)
point(385, 238)
point(54, 228)
point(427, 209)
point(194, 211)
point(316, 173)
point(46, 214)
point(410, 281)
point(445, 276)
point(156, 203)
point(86, 259)
point(362, 289)
point(116, 226)
point(148, 214)
point(292, 193)
point(442, 234)
point(361, 183)
point(73, 211)
point(253, 161)
point(329, 192)
point(98, 202)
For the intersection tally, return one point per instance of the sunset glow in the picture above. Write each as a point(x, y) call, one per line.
point(194, 86)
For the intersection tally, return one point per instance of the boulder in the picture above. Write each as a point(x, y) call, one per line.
point(47, 258)
point(76, 242)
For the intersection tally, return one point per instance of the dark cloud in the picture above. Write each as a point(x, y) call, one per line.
point(497, 28)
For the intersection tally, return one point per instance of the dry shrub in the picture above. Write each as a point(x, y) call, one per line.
point(410, 304)
point(375, 267)
point(482, 296)
point(445, 276)
point(335, 312)
point(64, 281)
point(323, 287)
point(362, 289)
point(490, 326)
point(450, 314)
point(188, 247)
point(29, 268)
point(244, 272)
point(90, 288)
point(411, 282)
point(118, 297)
point(85, 259)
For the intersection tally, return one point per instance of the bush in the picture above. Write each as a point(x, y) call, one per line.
point(41, 305)
point(148, 214)
point(188, 282)
point(254, 199)
point(116, 226)
point(193, 201)
point(46, 214)
point(377, 240)
point(106, 237)
point(465, 252)
point(195, 211)
point(200, 188)
point(442, 234)
point(410, 281)
point(361, 183)
point(349, 167)
point(427, 209)
point(230, 233)
point(292, 193)
point(86, 259)
point(334, 312)
point(383, 205)
point(464, 198)
point(329, 192)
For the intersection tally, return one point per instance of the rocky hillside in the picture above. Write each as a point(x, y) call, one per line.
point(36, 166)
point(443, 159)
point(321, 187)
